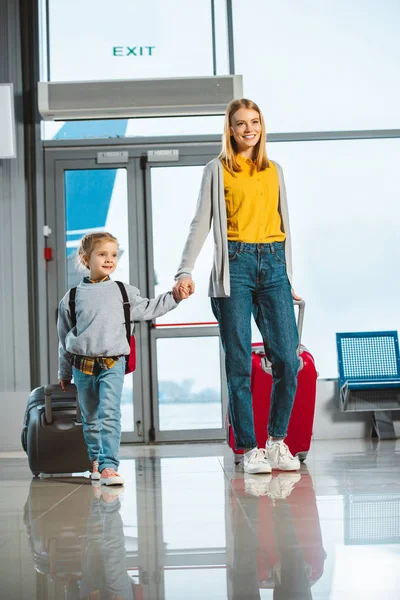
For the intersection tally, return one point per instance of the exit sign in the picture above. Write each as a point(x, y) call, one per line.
point(133, 50)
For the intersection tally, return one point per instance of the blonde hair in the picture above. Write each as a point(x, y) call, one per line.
point(89, 242)
point(229, 146)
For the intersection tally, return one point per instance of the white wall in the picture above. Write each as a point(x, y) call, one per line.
point(13, 406)
point(14, 330)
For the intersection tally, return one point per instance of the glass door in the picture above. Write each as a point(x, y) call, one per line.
point(83, 196)
point(188, 396)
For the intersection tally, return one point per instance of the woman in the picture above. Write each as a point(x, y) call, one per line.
point(243, 196)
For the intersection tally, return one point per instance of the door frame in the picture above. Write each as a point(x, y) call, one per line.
point(61, 155)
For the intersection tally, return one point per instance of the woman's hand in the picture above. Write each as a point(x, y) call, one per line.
point(180, 292)
point(183, 288)
point(294, 296)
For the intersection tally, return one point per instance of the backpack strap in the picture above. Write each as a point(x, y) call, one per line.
point(72, 294)
point(127, 310)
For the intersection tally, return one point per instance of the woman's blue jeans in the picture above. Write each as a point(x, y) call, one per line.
point(259, 286)
point(100, 402)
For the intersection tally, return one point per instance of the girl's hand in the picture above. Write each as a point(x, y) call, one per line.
point(295, 297)
point(64, 383)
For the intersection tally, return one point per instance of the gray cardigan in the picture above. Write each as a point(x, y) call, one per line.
point(211, 210)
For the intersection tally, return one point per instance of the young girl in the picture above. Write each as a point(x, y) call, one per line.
point(243, 196)
point(94, 350)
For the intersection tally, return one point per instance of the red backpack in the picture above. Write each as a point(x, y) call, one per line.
point(130, 365)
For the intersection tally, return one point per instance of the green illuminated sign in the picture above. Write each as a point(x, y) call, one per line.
point(133, 51)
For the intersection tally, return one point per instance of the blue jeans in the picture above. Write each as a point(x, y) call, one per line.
point(259, 286)
point(100, 402)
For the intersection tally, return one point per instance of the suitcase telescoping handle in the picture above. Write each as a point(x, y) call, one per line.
point(48, 391)
point(300, 319)
point(266, 365)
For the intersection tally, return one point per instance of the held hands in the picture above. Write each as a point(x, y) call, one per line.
point(64, 383)
point(183, 288)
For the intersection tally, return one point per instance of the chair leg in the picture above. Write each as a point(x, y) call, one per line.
point(382, 425)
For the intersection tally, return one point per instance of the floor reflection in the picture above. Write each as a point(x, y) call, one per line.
point(189, 525)
point(372, 518)
point(265, 534)
point(104, 568)
point(282, 549)
point(78, 547)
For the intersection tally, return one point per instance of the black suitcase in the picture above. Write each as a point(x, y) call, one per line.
point(52, 434)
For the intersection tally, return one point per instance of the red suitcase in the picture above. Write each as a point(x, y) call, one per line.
point(301, 421)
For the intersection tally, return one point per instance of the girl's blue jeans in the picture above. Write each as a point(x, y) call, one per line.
point(100, 402)
point(259, 286)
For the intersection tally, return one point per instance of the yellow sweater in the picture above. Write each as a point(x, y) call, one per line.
point(252, 201)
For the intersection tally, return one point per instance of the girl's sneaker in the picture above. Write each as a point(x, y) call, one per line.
point(95, 470)
point(111, 477)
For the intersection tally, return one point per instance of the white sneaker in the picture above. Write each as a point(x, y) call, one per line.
point(257, 485)
point(254, 461)
point(282, 485)
point(280, 457)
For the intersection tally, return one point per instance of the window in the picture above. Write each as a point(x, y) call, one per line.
point(344, 213)
point(138, 40)
point(320, 66)
point(96, 40)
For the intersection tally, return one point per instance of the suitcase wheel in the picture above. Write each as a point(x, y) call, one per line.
point(302, 456)
point(36, 474)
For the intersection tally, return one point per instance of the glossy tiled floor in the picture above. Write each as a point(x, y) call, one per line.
point(191, 526)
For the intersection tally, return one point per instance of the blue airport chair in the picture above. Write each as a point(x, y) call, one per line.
point(369, 376)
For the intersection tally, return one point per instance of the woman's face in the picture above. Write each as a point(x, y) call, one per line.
point(246, 128)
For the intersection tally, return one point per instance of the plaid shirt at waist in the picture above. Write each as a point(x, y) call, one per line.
point(93, 365)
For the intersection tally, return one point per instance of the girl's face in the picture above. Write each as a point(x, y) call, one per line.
point(246, 128)
point(103, 260)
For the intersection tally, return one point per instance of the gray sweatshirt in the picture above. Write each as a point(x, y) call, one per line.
point(100, 323)
point(211, 212)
